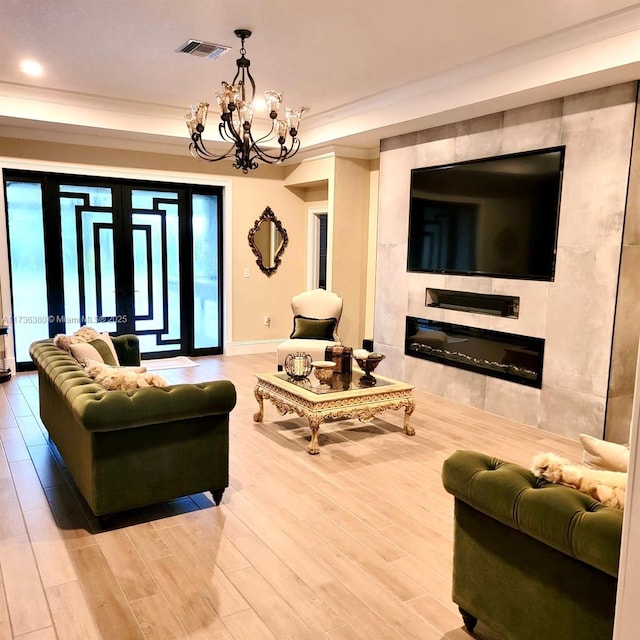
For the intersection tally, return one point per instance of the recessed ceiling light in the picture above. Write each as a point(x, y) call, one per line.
point(31, 68)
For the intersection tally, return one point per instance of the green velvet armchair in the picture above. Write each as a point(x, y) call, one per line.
point(531, 560)
point(127, 449)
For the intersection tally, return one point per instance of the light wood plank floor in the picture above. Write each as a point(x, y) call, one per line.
point(354, 543)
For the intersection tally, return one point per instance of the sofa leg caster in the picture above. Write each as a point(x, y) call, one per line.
point(216, 494)
point(469, 620)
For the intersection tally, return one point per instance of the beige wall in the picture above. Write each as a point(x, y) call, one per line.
point(350, 246)
point(258, 295)
point(290, 192)
point(372, 251)
point(347, 184)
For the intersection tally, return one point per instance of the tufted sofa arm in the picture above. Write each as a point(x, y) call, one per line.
point(556, 515)
point(127, 347)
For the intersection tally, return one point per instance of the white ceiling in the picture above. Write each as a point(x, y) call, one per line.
point(366, 69)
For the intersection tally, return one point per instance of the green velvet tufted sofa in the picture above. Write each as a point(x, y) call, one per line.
point(531, 559)
point(127, 449)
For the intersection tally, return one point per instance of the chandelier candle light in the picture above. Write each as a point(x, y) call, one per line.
point(236, 115)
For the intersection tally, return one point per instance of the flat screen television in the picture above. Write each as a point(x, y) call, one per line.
point(495, 217)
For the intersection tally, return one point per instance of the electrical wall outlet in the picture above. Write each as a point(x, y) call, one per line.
point(246, 272)
point(267, 321)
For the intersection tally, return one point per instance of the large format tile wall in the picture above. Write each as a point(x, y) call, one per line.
point(575, 313)
point(626, 329)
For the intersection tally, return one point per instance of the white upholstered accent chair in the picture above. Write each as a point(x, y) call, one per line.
point(313, 325)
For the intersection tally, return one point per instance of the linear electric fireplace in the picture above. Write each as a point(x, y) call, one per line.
point(493, 353)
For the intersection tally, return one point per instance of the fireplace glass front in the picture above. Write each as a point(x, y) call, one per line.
point(493, 353)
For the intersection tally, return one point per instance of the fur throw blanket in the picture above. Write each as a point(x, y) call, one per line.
point(608, 487)
point(123, 378)
point(84, 334)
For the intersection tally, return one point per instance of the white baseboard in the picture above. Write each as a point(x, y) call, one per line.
point(252, 346)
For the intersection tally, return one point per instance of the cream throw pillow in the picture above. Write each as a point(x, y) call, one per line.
point(600, 454)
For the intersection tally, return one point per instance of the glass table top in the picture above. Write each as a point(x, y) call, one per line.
point(339, 382)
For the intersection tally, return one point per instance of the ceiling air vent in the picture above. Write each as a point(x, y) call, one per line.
point(202, 49)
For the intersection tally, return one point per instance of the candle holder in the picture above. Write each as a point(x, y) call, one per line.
point(298, 365)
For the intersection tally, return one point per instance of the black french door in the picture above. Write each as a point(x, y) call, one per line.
point(121, 256)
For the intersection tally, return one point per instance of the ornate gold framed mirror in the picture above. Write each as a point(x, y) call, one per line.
point(268, 240)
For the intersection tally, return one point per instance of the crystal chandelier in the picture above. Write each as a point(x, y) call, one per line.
point(236, 115)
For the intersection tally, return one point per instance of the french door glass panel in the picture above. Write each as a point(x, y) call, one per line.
point(26, 240)
point(156, 233)
point(88, 257)
point(206, 242)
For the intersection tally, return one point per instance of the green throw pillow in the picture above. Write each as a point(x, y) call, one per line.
point(105, 352)
point(313, 328)
point(97, 350)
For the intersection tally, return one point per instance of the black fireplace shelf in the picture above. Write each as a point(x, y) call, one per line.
point(494, 353)
point(486, 303)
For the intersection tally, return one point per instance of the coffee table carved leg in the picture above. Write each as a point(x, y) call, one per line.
point(313, 447)
point(408, 410)
point(259, 414)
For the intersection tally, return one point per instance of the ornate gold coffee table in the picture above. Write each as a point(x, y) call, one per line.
point(344, 398)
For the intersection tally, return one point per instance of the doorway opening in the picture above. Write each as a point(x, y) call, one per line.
point(317, 249)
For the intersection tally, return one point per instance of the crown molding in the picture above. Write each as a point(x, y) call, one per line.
point(594, 54)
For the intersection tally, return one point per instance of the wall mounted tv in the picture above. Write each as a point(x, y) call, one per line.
point(495, 217)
